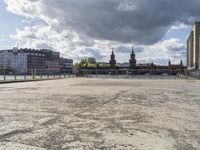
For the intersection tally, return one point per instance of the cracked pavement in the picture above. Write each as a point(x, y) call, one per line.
point(87, 114)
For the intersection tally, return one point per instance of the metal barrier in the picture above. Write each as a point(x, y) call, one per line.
point(132, 76)
point(13, 75)
point(123, 74)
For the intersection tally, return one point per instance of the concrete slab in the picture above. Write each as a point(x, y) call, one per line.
point(111, 114)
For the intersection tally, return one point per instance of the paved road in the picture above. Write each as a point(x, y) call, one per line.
point(108, 114)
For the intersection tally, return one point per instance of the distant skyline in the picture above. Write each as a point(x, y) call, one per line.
point(158, 30)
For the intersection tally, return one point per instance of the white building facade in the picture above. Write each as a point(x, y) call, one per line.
point(18, 62)
point(13, 59)
point(193, 48)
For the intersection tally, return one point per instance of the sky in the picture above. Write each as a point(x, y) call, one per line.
point(157, 29)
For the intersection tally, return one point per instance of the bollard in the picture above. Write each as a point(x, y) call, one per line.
point(4, 77)
point(15, 76)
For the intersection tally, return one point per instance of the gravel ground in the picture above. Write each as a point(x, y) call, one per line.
point(87, 114)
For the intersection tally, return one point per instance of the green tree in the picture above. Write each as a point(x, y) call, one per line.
point(91, 60)
point(88, 62)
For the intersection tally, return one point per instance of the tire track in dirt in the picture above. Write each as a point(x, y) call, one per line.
point(59, 116)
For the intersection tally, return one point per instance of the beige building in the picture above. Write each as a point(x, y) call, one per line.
point(193, 48)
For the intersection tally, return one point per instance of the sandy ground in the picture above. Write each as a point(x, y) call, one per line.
point(87, 114)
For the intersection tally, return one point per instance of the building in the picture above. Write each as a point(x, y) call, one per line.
point(193, 48)
point(151, 68)
point(103, 64)
point(175, 66)
point(35, 60)
point(112, 61)
point(30, 60)
point(13, 59)
point(66, 65)
point(5, 57)
point(18, 61)
point(132, 60)
point(52, 61)
point(123, 65)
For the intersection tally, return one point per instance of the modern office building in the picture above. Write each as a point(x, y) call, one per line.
point(193, 48)
point(66, 65)
point(13, 59)
point(29, 60)
point(36, 60)
point(5, 57)
point(52, 61)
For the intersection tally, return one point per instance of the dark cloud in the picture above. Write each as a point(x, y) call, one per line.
point(145, 23)
point(138, 21)
point(126, 49)
point(175, 48)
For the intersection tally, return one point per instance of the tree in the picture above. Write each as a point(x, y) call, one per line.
point(88, 62)
point(83, 62)
point(91, 60)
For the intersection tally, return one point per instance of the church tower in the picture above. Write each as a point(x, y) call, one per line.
point(112, 60)
point(169, 63)
point(181, 63)
point(132, 60)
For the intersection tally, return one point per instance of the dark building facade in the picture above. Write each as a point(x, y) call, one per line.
point(132, 60)
point(66, 65)
point(52, 61)
point(112, 60)
point(36, 61)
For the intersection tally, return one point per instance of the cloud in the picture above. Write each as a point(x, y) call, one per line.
point(174, 45)
point(180, 26)
point(138, 21)
point(66, 42)
point(164, 50)
point(2, 37)
point(155, 60)
point(94, 53)
point(128, 49)
point(74, 26)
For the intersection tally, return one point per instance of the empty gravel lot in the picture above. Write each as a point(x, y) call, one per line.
point(89, 114)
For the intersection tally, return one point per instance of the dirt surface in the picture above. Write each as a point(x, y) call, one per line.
point(87, 114)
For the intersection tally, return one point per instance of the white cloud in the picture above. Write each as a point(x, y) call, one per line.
point(2, 37)
point(164, 50)
point(179, 26)
point(127, 5)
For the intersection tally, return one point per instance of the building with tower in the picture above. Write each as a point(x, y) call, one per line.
point(175, 66)
point(112, 61)
point(132, 68)
point(132, 60)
